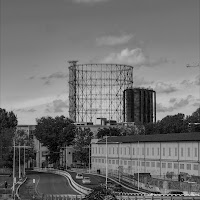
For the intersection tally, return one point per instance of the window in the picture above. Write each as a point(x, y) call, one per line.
point(125, 162)
point(99, 160)
point(188, 166)
point(121, 162)
point(152, 164)
point(93, 150)
point(175, 165)
point(169, 165)
point(109, 161)
point(117, 162)
point(163, 165)
point(138, 151)
point(92, 159)
point(147, 151)
point(133, 163)
point(147, 164)
point(195, 152)
point(158, 164)
point(109, 150)
point(143, 151)
point(181, 166)
point(121, 150)
point(163, 151)
point(128, 150)
point(102, 160)
point(117, 150)
point(99, 150)
point(188, 152)
point(113, 161)
point(195, 167)
point(138, 163)
point(176, 152)
point(129, 163)
point(133, 151)
point(102, 150)
point(96, 150)
point(113, 150)
point(158, 151)
point(124, 150)
point(143, 164)
point(182, 152)
point(169, 151)
point(152, 151)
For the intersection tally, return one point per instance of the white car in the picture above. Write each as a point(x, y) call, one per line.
point(86, 180)
point(79, 176)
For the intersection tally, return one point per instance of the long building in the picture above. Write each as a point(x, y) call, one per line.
point(155, 154)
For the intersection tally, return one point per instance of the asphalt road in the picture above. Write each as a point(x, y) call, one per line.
point(47, 183)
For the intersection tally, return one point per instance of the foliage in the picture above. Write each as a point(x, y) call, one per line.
point(21, 139)
point(8, 124)
point(100, 193)
point(54, 133)
point(110, 131)
point(81, 144)
point(175, 124)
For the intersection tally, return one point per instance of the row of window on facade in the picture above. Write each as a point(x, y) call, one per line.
point(146, 163)
point(136, 151)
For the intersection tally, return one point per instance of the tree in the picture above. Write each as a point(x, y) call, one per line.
point(54, 133)
point(8, 124)
point(81, 144)
point(110, 131)
point(100, 193)
point(193, 121)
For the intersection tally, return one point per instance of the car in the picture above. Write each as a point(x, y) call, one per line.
point(79, 176)
point(176, 192)
point(118, 188)
point(86, 180)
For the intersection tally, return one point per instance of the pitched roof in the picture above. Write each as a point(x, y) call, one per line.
point(174, 137)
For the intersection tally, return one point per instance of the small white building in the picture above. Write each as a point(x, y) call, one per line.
point(155, 154)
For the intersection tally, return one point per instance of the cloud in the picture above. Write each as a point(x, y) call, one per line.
point(177, 104)
point(140, 81)
point(135, 57)
point(113, 40)
point(31, 110)
point(89, 1)
point(172, 100)
point(47, 79)
point(56, 106)
point(161, 87)
point(161, 108)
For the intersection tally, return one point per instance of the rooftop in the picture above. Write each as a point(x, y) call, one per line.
point(174, 137)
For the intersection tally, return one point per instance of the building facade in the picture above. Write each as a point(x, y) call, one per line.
point(155, 154)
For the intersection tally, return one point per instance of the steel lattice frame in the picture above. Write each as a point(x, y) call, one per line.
point(96, 91)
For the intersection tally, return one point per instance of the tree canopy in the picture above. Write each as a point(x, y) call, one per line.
point(8, 124)
point(81, 144)
point(110, 131)
point(175, 124)
point(54, 133)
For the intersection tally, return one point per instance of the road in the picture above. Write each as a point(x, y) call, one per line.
point(46, 183)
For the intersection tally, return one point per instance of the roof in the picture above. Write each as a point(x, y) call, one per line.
point(174, 137)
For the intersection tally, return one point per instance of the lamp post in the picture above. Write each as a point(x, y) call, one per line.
point(19, 163)
point(14, 170)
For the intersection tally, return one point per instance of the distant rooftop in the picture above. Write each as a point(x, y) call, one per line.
point(174, 137)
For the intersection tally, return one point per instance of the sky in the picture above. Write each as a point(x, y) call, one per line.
point(38, 38)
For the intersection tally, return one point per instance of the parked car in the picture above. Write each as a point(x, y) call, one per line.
point(86, 180)
point(118, 188)
point(79, 176)
point(176, 192)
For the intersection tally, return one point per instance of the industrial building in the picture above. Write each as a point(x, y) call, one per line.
point(155, 154)
point(139, 105)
